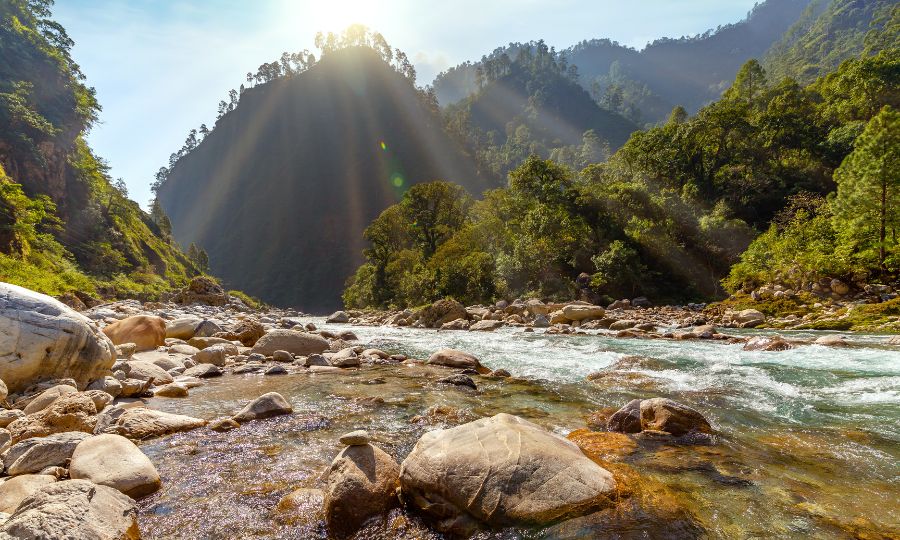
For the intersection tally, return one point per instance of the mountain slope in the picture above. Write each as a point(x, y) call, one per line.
point(281, 190)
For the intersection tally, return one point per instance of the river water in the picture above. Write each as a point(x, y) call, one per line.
point(808, 439)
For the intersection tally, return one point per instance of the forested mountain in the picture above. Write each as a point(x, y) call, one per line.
point(831, 31)
point(64, 225)
point(280, 191)
point(645, 85)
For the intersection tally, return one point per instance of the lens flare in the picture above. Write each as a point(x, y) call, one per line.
point(397, 180)
point(383, 145)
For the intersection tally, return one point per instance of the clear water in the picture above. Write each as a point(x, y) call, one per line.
point(809, 442)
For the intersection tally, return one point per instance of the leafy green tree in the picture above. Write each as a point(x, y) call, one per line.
point(867, 203)
point(434, 211)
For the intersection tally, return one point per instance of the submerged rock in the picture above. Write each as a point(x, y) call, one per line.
point(362, 484)
point(265, 406)
point(767, 344)
point(501, 471)
point(73, 510)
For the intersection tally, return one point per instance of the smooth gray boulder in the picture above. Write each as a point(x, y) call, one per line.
point(299, 343)
point(501, 471)
point(42, 338)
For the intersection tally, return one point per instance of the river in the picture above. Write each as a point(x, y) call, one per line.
point(808, 444)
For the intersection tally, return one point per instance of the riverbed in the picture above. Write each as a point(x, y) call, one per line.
point(808, 441)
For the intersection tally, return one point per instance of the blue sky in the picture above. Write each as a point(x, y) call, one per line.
point(160, 68)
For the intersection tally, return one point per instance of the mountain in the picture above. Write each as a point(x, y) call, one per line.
point(831, 31)
point(64, 225)
point(280, 191)
point(647, 84)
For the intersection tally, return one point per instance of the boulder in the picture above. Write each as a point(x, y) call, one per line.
point(265, 406)
point(459, 380)
point(292, 341)
point(48, 396)
point(215, 354)
point(832, 340)
point(223, 424)
point(486, 326)
point(345, 358)
point(338, 317)
point(208, 328)
point(301, 508)
point(501, 471)
point(202, 290)
point(35, 454)
point(147, 371)
point(15, 490)
point(247, 332)
point(100, 398)
point(147, 332)
point(749, 318)
point(579, 312)
point(441, 312)
point(458, 324)
point(282, 356)
point(183, 348)
point(171, 390)
point(627, 419)
point(42, 338)
point(662, 414)
point(73, 510)
point(203, 371)
point(114, 461)
point(316, 360)
point(839, 288)
point(456, 359)
point(362, 484)
point(134, 387)
point(536, 307)
point(767, 343)
point(276, 370)
point(541, 321)
point(204, 342)
point(71, 412)
point(142, 423)
point(183, 328)
point(623, 324)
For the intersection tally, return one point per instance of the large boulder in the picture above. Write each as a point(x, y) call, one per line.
point(292, 341)
point(265, 406)
point(456, 359)
point(662, 414)
point(147, 332)
point(183, 328)
point(35, 454)
point(42, 338)
point(71, 412)
point(142, 423)
point(202, 290)
point(15, 490)
point(362, 484)
point(749, 318)
point(338, 317)
point(441, 312)
point(114, 461)
point(73, 510)
point(580, 312)
point(501, 471)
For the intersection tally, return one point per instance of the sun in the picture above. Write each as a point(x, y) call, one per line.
point(336, 15)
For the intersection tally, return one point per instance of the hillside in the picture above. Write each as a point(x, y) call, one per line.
point(831, 31)
point(64, 225)
point(280, 191)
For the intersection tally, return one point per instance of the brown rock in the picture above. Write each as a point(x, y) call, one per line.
point(145, 331)
point(71, 412)
point(362, 484)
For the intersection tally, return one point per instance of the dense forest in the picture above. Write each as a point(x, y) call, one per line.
point(65, 225)
point(667, 215)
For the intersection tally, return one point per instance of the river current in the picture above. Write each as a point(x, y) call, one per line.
point(808, 439)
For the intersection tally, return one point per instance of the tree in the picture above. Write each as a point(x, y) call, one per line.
point(434, 211)
point(867, 203)
point(749, 82)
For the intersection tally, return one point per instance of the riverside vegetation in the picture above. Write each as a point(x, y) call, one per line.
point(668, 332)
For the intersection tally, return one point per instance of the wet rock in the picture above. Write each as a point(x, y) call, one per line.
point(486, 326)
point(376, 353)
point(339, 317)
point(19, 488)
point(110, 385)
point(767, 343)
point(35, 454)
point(48, 396)
point(627, 419)
point(501, 471)
point(223, 424)
point(299, 343)
point(303, 507)
point(457, 324)
point(345, 358)
point(541, 321)
point(456, 359)
point(500, 373)
point(147, 332)
point(73, 510)
point(265, 406)
point(142, 423)
point(276, 370)
point(282, 356)
point(71, 412)
point(146, 371)
point(42, 338)
point(362, 484)
point(459, 380)
point(661, 414)
point(832, 340)
point(249, 368)
point(355, 438)
point(114, 461)
point(203, 371)
point(623, 324)
point(183, 328)
point(171, 390)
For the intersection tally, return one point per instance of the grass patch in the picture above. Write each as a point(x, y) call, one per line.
point(251, 301)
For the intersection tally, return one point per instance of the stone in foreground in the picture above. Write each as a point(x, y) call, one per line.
point(73, 510)
point(265, 406)
point(114, 461)
point(501, 471)
point(35, 454)
point(19, 488)
point(42, 338)
point(362, 484)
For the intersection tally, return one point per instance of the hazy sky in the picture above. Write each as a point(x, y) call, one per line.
point(160, 68)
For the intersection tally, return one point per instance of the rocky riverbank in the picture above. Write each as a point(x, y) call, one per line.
point(87, 421)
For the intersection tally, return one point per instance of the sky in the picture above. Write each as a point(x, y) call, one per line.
point(161, 67)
